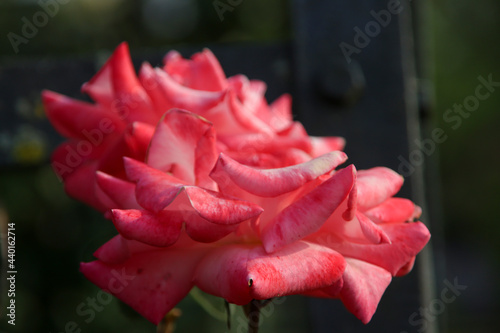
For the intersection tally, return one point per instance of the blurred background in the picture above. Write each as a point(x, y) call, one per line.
point(54, 233)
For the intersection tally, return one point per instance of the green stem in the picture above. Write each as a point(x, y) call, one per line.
point(205, 304)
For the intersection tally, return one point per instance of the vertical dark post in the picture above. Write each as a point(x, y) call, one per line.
point(355, 77)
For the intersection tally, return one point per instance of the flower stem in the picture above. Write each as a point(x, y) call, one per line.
point(252, 311)
point(254, 317)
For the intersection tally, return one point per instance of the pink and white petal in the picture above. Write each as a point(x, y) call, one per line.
point(248, 142)
point(244, 116)
point(250, 93)
point(154, 189)
point(161, 229)
point(272, 182)
point(120, 191)
point(392, 210)
point(130, 99)
point(203, 231)
point(277, 159)
point(240, 273)
point(223, 118)
point(318, 293)
point(364, 285)
point(209, 216)
point(351, 225)
point(406, 268)
point(111, 161)
point(377, 185)
point(151, 282)
point(117, 87)
point(182, 97)
point(252, 98)
point(266, 142)
point(372, 232)
point(335, 289)
point(80, 120)
point(217, 208)
point(296, 136)
point(65, 159)
point(417, 212)
point(280, 116)
point(407, 240)
point(332, 291)
point(81, 185)
point(137, 138)
point(190, 143)
point(323, 145)
point(202, 72)
point(100, 86)
point(118, 249)
point(150, 82)
point(306, 215)
point(114, 251)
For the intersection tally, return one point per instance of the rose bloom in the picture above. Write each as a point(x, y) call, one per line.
point(127, 109)
point(209, 186)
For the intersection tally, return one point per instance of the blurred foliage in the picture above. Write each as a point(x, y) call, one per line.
point(83, 26)
point(466, 46)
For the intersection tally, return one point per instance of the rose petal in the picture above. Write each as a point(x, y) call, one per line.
point(160, 229)
point(393, 210)
point(407, 240)
point(202, 72)
point(306, 215)
point(240, 273)
point(244, 116)
point(280, 115)
point(121, 192)
point(190, 143)
point(276, 159)
point(111, 161)
point(149, 80)
point(100, 86)
point(137, 137)
point(250, 93)
point(80, 120)
point(376, 185)
point(272, 182)
point(116, 86)
point(373, 232)
point(151, 282)
point(154, 189)
point(186, 98)
point(364, 285)
point(406, 268)
point(268, 142)
point(118, 249)
point(81, 185)
point(323, 145)
point(203, 231)
point(113, 251)
point(65, 159)
point(220, 209)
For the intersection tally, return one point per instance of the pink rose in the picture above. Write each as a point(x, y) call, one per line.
point(127, 108)
point(208, 186)
point(243, 233)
